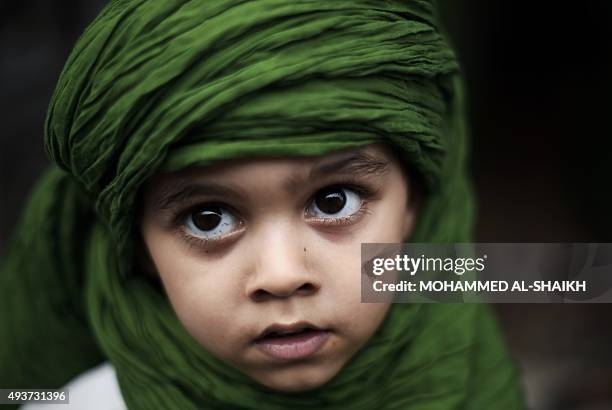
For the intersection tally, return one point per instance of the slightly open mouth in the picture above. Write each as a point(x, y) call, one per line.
point(291, 344)
point(288, 336)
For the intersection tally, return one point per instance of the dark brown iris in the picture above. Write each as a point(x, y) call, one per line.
point(207, 218)
point(330, 200)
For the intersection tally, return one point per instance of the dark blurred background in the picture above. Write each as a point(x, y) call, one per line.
point(539, 76)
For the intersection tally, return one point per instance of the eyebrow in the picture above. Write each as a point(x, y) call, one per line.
point(358, 163)
point(181, 191)
point(354, 164)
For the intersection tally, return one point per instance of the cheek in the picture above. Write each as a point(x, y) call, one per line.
point(202, 293)
point(339, 263)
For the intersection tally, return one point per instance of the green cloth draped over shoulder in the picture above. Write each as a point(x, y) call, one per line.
point(161, 85)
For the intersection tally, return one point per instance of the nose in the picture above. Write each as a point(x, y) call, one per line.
point(281, 269)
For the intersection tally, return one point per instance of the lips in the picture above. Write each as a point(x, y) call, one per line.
point(291, 342)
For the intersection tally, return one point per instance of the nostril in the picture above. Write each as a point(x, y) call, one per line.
point(260, 295)
point(263, 294)
point(306, 289)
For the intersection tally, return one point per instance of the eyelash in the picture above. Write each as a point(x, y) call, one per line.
point(366, 194)
point(196, 242)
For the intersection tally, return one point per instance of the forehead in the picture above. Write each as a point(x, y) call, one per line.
point(370, 160)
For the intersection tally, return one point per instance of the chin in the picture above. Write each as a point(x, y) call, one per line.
point(295, 380)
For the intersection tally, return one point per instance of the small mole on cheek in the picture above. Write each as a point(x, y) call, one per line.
point(304, 249)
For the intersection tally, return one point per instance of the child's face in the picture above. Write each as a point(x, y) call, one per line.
point(261, 258)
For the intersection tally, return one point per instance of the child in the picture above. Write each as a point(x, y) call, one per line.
point(220, 163)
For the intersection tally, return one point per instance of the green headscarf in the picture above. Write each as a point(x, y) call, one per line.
point(155, 85)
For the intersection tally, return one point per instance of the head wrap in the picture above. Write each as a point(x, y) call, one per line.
point(155, 85)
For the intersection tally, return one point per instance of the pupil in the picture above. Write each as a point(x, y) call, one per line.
point(207, 219)
point(331, 200)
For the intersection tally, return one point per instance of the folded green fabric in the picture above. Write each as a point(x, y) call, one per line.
point(162, 85)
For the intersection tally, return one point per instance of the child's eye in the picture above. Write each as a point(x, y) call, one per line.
point(210, 221)
point(334, 203)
